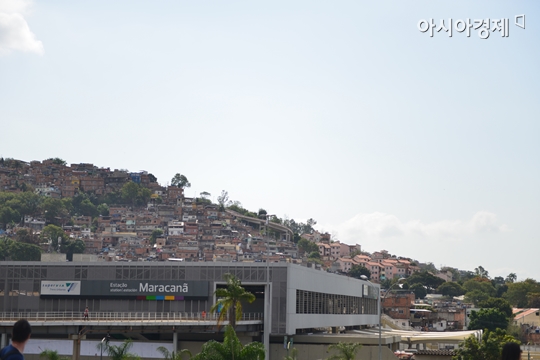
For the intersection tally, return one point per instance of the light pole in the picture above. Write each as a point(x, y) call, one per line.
point(379, 303)
point(268, 295)
point(106, 339)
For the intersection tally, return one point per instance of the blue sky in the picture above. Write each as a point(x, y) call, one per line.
point(339, 111)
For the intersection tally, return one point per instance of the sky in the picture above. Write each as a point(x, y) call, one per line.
point(343, 111)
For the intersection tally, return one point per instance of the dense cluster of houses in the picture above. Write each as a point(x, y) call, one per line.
point(178, 227)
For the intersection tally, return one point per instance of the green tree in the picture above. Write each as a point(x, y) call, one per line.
point(24, 252)
point(230, 349)
point(54, 209)
point(308, 227)
point(180, 355)
point(130, 191)
point(476, 296)
point(68, 205)
point(230, 300)
point(8, 215)
point(355, 252)
point(72, 247)
point(419, 290)
point(86, 208)
point(499, 304)
point(180, 181)
point(451, 289)
point(143, 196)
point(53, 233)
point(488, 348)
point(26, 236)
point(358, 270)
point(103, 209)
point(26, 203)
point(490, 319)
point(512, 277)
point(155, 234)
point(314, 255)
point(481, 272)
point(57, 161)
point(120, 352)
point(345, 351)
point(518, 291)
point(205, 194)
point(480, 284)
point(306, 246)
point(293, 355)
point(51, 355)
point(430, 281)
point(223, 199)
point(501, 290)
point(17, 251)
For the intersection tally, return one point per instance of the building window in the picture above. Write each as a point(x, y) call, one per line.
point(309, 302)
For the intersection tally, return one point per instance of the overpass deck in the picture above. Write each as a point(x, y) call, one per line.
point(121, 319)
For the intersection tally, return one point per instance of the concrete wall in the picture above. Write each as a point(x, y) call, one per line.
point(85, 258)
point(323, 282)
point(89, 348)
point(320, 352)
point(53, 257)
point(147, 350)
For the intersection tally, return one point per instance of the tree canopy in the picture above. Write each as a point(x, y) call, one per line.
point(229, 300)
point(490, 319)
point(497, 303)
point(345, 351)
point(419, 290)
point(306, 246)
point(230, 349)
point(517, 293)
point(51, 355)
point(451, 289)
point(120, 352)
point(358, 270)
point(180, 181)
point(174, 355)
point(489, 348)
point(18, 251)
point(430, 281)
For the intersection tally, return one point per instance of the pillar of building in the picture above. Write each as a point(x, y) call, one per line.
point(175, 341)
point(76, 347)
point(3, 340)
point(267, 314)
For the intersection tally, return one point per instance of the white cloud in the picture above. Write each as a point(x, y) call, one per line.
point(384, 230)
point(15, 34)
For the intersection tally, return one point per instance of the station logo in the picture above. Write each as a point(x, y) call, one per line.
point(60, 288)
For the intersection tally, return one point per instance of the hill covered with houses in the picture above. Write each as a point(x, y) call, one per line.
point(118, 215)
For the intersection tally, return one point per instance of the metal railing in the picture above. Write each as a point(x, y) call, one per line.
point(63, 316)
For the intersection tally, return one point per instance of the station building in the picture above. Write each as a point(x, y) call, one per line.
point(296, 299)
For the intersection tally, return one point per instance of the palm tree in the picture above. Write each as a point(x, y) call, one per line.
point(230, 349)
point(293, 356)
point(51, 355)
point(121, 352)
point(346, 351)
point(230, 300)
point(174, 355)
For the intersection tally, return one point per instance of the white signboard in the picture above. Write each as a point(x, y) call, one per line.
point(60, 288)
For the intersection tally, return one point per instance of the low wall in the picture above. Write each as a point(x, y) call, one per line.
point(148, 350)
